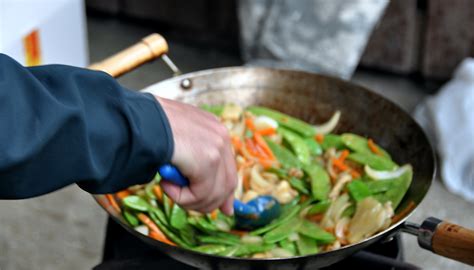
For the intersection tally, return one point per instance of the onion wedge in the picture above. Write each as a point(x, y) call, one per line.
point(384, 175)
point(329, 125)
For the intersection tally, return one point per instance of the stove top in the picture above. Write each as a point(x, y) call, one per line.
point(123, 251)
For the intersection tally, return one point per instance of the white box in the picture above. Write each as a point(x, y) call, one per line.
point(44, 32)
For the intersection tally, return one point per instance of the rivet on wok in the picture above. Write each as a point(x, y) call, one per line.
point(186, 84)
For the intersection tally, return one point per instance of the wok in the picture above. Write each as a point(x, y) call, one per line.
point(312, 98)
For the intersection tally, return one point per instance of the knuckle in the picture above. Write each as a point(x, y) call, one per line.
point(214, 157)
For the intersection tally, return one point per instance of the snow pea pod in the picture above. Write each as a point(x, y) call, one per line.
point(320, 182)
point(167, 205)
point(149, 191)
point(299, 185)
point(374, 161)
point(397, 190)
point(214, 109)
point(286, 215)
point(130, 218)
point(358, 190)
point(315, 148)
point(306, 245)
point(202, 224)
point(332, 141)
point(171, 235)
point(209, 239)
point(288, 245)
point(282, 231)
point(188, 234)
point(315, 232)
point(178, 217)
point(320, 207)
point(248, 249)
point(229, 251)
point(284, 156)
point(380, 186)
point(284, 120)
point(360, 144)
point(211, 249)
point(297, 144)
point(159, 214)
point(136, 203)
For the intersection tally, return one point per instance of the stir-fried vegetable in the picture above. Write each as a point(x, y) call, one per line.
point(335, 190)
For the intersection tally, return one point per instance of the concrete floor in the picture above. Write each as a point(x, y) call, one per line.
point(65, 229)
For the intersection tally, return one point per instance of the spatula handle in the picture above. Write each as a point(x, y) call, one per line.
point(148, 49)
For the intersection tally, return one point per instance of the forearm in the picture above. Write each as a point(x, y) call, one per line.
point(61, 125)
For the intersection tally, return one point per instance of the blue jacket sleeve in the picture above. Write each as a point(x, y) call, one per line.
point(61, 125)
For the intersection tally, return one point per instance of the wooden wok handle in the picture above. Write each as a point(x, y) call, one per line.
point(447, 239)
point(149, 48)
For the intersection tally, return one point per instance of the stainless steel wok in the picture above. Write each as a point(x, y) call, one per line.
point(312, 98)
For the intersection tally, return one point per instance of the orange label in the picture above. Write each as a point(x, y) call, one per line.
point(31, 44)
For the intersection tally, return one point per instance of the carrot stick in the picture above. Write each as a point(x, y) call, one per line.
point(354, 173)
point(249, 124)
point(344, 155)
point(266, 163)
point(319, 138)
point(262, 143)
point(113, 202)
point(316, 217)
point(158, 192)
point(266, 131)
point(250, 145)
point(261, 153)
point(337, 163)
point(159, 235)
point(411, 205)
point(122, 194)
point(246, 182)
point(214, 215)
point(156, 236)
point(237, 143)
point(373, 147)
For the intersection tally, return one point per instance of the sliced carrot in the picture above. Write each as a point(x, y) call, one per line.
point(355, 174)
point(249, 124)
point(266, 131)
point(250, 146)
point(122, 194)
point(344, 155)
point(316, 217)
point(261, 153)
point(214, 215)
point(319, 138)
point(373, 147)
point(266, 163)
point(158, 192)
point(157, 236)
point(262, 143)
point(329, 230)
point(246, 181)
point(411, 205)
point(237, 143)
point(113, 202)
point(339, 164)
point(238, 232)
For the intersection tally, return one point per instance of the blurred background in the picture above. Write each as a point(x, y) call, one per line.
point(406, 50)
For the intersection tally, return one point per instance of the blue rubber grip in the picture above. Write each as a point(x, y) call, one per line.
point(171, 174)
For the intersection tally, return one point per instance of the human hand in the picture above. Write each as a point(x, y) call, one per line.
point(202, 152)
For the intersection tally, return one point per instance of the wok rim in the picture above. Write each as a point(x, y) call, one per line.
point(393, 228)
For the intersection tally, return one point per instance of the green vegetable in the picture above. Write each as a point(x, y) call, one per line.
point(360, 144)
point(358, 190)
point(209, 239)
point(397, 190)
point(157, 178)
point(167, 205)
point(178, 217)
point(149, 191)
point(380, 186)
point(229, 251)
point(247, 249)
point(374, 161)
point(285, 120)
point(214, 109)
point(171, 235)
point(297, 144)
point(136, 203)
point(332, 141)
point(211, 249)
point(283, 231)
point(314, 148)
point(306, 245)
point(131, 218)
point(300, 185)
point(282, 173)
point(315, 232)
point(287, 214)
point(202, 224)
point(188, 234)
point(288, 245)
point(349, 211)
point(320, 207)
point(159, 214)
point(284, 156)
point(320, 182)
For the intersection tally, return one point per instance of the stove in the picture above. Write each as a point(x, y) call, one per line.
point(123, 251)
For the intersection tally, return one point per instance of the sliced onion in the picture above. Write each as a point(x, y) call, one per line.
point(239, 188)
point(281, 253)
point(262, 122)
point(251, 239)
point(222, 225)
point(341, 226)
point(142, 229)
point(384, 175)
point(329, 125)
